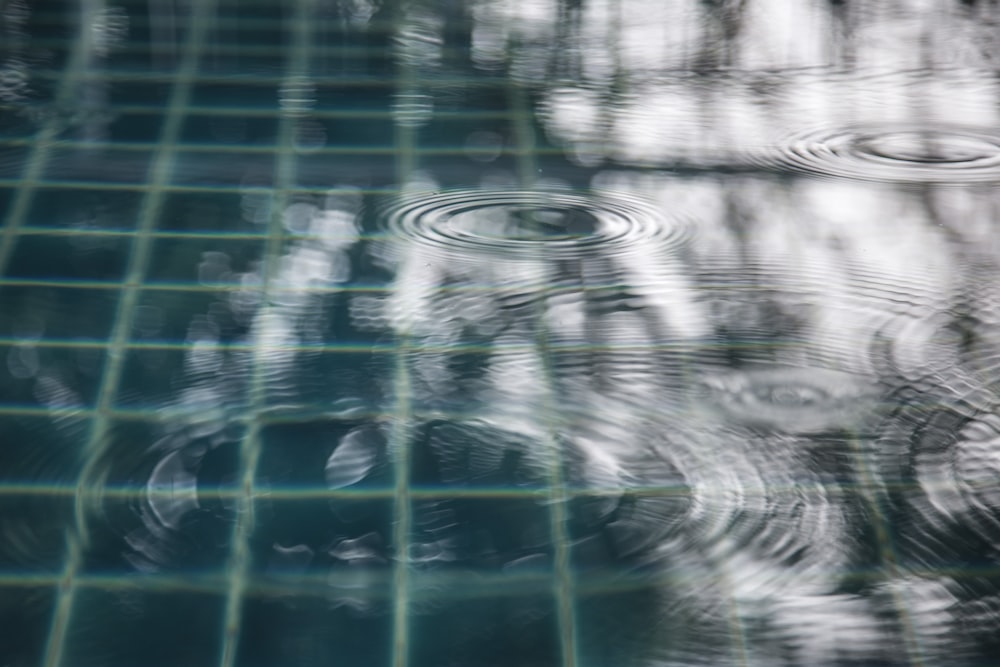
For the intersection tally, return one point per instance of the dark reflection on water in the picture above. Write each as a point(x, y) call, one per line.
point(573, 333)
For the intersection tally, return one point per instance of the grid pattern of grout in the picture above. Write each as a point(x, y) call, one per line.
point(236, 580)
point(250, 450)
point(402, 511)
point(563, 585)
point(163, 154)
point(137, 266)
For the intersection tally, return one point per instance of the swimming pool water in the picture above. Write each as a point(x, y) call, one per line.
point(555, 333)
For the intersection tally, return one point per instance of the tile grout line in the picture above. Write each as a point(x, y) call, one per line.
point(259, 112)
point(138, 259)
point(166, 344)
point(42, 145)
point(266, 79)
point(156, 415)
point(871, 492)
point(262, 148)
point(315, 585)
point(239, 77)
point(322, 492)
point(405, 141)
point(216, 286)
point(216, 584)
point(239, 564)
point(558, 519)
point(399, 446)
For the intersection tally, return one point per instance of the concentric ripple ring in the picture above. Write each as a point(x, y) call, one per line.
point(896, 153)
point(558, 223)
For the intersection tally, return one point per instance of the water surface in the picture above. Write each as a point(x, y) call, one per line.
point(547, 333)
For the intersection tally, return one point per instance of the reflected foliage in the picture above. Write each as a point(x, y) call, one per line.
point(581, 332)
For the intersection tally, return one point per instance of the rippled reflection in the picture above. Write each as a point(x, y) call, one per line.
point(520, 332)
point(898, 153)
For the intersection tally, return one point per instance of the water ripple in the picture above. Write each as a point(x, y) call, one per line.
point(946, 469)
point(793, 400)
point(502, 223)
point(896, 153)
point(161, 507)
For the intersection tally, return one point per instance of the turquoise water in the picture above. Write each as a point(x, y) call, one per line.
point(569, 333)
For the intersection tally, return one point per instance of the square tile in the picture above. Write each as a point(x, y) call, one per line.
point(333, 218)
point(263, 27)
point(464, 454)
point(150, 378)
point(363, 95)
point(251, 14)
point(222, 212)
point(215, 95)
point(98, 165)
point(137, 8)
point(491, 531)
point(35, 527)
point(169, 500)
point(479, 135)
point(324, 538)
point(370, 275)
point(144, 25)
point(57, 313)
point(327, 627)
point(459, 170)
point(84, 208)
point(49, 376)
point(6, 197)
point(12, 161)
point(264, 61)
point(326, 503)
point(136, 57)
point(614, 534)
point(136, 127)
point(326, 315)
point(923, 533)
point(70, 257)
point(140, 93)
point(43, 451)
point(236, 129)
point(351, 382)
point(622, 620)
point(190, 379)
point(26, 616)
point(203, 261)
point(17, 124)
point(360, 132)
point(183, 316)
point(319, 455)
point(292, 536)
point(221, 168)
point(512, 629)
point(105, 124)
point(339, 52)
point(128, 626)
point(457, 381)
point(360, 168)
point(153, 28)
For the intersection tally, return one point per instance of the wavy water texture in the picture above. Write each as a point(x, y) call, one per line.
point(595, 333)
point(503, 223)
point(742, 426)
point(897, 152)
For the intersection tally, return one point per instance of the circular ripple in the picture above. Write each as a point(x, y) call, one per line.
point(791, 400)
point(521, 222)
point(943, 463)
point(897, 153)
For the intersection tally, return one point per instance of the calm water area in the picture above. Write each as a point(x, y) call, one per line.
point(499, 333)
